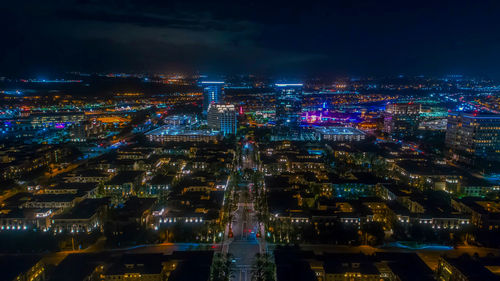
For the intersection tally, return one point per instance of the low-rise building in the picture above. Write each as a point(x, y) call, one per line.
point(22, 268)
point(485, 214)
point(87, 216)
point(427, 175)
point(340, 134)
point(463, 268)
point(124, 183)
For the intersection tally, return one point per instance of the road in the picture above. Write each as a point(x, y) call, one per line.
point(248, 156)
point(244, 244)
point(169, 248)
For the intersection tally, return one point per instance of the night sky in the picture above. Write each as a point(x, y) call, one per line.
point(282, 37)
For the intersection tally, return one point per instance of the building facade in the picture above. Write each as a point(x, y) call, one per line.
point(401, 119)
point(212, 93)
point(288, 105)
point(222, 117)
point(472, 138)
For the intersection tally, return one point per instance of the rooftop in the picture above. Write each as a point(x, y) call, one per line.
point(12, 266)
point(472, 269)
point(339, 131)
point(124, 177)
point(177, 131)
point(84, 210)
point(137, 263)
point(78, 266)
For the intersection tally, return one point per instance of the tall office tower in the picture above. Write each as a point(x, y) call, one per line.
point(212, 93)
point(288, 105)
point(401, 119)
point(473, 138)
point(222, 117)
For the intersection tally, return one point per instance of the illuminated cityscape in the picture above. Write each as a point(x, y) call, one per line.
point(250, 141)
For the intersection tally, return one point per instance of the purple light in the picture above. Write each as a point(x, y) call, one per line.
point(328, 118)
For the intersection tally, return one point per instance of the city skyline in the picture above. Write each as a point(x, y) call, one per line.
point(190, 140)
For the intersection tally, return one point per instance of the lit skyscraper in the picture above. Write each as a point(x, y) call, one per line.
point(222, 117)
point(288, 105)
point(473, 137)
point(212, 93)
point(401, 119)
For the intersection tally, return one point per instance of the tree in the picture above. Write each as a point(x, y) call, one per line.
point(263, 268)
point(222, 267)
point(373, 233)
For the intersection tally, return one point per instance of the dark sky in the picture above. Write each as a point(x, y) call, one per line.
point(268, 37)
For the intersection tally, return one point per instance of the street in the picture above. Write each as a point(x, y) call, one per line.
point(244, 244)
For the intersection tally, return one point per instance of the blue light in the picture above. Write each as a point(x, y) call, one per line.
point(289, 85)
point(212, 82)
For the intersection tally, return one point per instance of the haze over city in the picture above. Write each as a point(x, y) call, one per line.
point(359, 38)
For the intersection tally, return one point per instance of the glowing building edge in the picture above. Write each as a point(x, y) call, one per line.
point(340, 134)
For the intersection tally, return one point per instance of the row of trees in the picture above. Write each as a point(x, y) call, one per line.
point(223, 268)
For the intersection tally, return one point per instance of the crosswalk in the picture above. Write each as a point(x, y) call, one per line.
point(243, 273)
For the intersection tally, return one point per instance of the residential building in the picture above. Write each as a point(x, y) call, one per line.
point(22, 268)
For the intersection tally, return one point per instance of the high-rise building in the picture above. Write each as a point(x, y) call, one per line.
point(472, 138)
point(212, 93)
point(222, 117)
point(401, 119)
point(288, 105)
